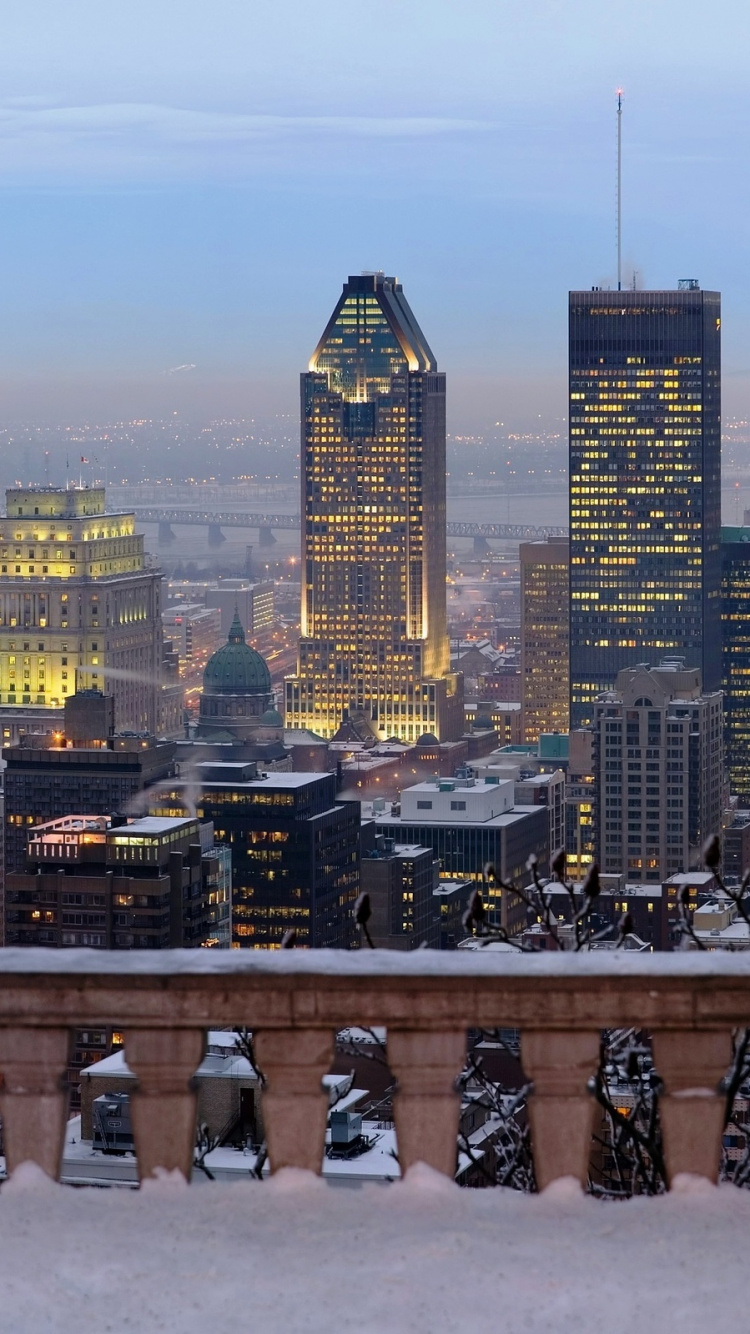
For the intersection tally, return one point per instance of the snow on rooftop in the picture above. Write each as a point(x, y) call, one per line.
point(291, 1255)
point(155, 824)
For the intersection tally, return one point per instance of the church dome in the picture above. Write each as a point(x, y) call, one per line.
point(271, 718)
point(236, 669)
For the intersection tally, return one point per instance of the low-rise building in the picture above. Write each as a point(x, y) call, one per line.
point(471, 824)
point(114, 883)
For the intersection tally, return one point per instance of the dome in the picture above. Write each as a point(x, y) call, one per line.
point(236, 669)
point(427, 739)
point(271, 718)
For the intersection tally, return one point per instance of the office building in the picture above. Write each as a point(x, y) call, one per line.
point(645, 520)
point(580, 796)
point(401, 881)
point(548, 790)
point(79, 610)
point(86, 768)
point(195, 632)
point(253, 603)
point(735, 626)
point(658, 771)
point(113, 883)
point(373, 622)
point(545, 635)
point(295, 853)
point(470, 824)
point(736, 847)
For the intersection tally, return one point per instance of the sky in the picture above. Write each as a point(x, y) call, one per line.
point(185, 186)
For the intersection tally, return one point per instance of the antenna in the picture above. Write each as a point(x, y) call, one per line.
point(619, 189)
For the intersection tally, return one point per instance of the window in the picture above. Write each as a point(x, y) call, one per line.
point(458, 805)
point(424, 805)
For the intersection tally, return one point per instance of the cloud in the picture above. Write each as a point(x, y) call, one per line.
point(118, 135)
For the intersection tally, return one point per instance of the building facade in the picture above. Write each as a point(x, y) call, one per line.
point(110, 884)
point(195, 631)
point(373, 627)
point(735, 641)
point(85, 768)
point(79, 610)
point(658, 772)
point(545, 637)
point(295, 854)
point(252, 602)
point(401, 882)
point(645, 444)
point(471, 824)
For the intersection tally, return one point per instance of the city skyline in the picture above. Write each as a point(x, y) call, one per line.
point(167, 239)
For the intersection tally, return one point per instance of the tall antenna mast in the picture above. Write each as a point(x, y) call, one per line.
point(619, 189)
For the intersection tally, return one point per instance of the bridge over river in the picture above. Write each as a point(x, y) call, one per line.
point(267, 524)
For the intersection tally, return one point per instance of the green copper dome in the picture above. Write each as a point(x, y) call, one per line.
point(236, 669)
point(272, 718)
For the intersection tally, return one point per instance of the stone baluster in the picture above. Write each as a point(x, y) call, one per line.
point(561, 1109)
point(34, 1096)
point(295, 1103)
point(426, 1104)
point(691, 1066)
point(164, 1103)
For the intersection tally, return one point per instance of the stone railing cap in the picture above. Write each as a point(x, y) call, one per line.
point(371, 963)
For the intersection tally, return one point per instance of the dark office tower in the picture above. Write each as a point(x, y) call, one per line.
point(735, 624)
point(373, 624)
point(645, 517)
point(295, 854)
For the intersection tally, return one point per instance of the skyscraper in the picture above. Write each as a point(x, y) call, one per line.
point(545, 658)
point(645, 441)
point(373, 631)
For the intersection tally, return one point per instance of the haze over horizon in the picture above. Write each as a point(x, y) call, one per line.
point(184, 191)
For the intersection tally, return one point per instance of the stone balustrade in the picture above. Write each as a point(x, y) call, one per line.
point(295, 1001)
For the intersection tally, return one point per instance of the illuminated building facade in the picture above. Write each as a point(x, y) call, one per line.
point(295, 854)
point(545, 655)
point(373, 628)
point(735, 624)
point(79, 610)
point(645, 519)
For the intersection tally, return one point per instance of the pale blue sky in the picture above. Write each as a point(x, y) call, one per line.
point(186, 183)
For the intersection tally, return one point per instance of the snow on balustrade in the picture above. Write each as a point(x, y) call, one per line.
point(293, 1256)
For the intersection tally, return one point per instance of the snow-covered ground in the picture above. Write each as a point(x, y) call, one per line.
point(293, 1256)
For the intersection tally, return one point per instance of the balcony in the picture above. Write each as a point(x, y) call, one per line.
point(422, 1254)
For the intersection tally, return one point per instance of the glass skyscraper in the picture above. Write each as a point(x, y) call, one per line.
point(645, 442)
point(373, 629)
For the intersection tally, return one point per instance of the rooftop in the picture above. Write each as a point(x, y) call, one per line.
point(288, 781)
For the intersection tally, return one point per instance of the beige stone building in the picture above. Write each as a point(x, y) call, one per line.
point(79, 610)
